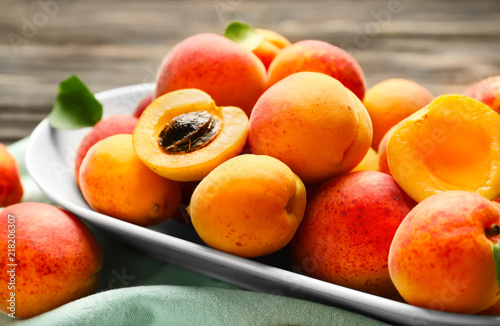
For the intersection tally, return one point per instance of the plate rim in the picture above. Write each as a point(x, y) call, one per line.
point(369, 304)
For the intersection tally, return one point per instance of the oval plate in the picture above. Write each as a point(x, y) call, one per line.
point(50, 156)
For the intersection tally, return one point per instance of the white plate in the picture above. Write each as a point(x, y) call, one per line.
point(50, 159)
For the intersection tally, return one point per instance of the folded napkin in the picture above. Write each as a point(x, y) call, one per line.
point(138, 290)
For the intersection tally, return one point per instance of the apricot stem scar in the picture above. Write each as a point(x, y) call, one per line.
point(493, 230)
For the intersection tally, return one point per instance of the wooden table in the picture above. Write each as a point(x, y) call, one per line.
point(444, 45)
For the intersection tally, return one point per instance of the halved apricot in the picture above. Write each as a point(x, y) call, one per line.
point(451, 144)
point(183, 135)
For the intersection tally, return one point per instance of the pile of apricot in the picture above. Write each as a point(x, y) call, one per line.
point(388, 190)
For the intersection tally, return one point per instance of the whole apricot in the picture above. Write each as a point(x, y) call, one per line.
point(369, 162)
point(112, 125)
point(250, 205)
point(451, 144)
point(347, 231)
point(486, 91)
point(271, 45)
point(11, 189)
point(442, 256)
point(312, 123)
point(322, 57)
point(142, 105)
point(115, 182)
point(392, 100)
point(383, 163)
point(231, 74)
point(50, 258)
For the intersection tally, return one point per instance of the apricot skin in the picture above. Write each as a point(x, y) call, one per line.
point(58, 259)
point(250, 205)
point(322, 57)
point(271, 45)
point(347, 231)
point(112, 125)
point(486, 91)
point(115, 182)
point(11, 189)
point(369, 162)
point(142, 105)
point(312, 123)
point(440, 257)
point(228, 72)
point(383, 164)
point(392, 100)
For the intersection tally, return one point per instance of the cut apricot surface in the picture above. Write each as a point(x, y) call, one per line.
point(451, 144)
point(185, 164)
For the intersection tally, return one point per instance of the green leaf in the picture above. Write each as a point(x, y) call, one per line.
point(75, 106)
point(496, 258)
point(243, 34)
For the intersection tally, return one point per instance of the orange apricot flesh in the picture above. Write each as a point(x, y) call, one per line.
point(451, 144)
point(191, 166)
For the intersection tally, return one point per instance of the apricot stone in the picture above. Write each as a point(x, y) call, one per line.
point(231, 74)
point(312, 123)
point(193, 165)
point(347, 231)
point(392, 100)
point(250, 205)
point(322, 57)
point(441, 257)
point(56, 259)
point(115, 182)
point(451, 144)
point(11, 189)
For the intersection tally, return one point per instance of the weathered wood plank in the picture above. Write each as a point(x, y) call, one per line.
point(444, 45)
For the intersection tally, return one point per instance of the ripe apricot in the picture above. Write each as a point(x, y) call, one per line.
point(231, 74)
point(11, 189)
point(142, 105)
point(115, 182)
point(112, 125)
point(348, 229)
point(383, 164)
point(271, 45)
point(318, 56)
point(226, 137)
point(451, 144)
point(392, 100)
point(486, 91)
point(56, 259)
point(369, 162)
point(250, 205)
point(442, 255)
point(312, 123)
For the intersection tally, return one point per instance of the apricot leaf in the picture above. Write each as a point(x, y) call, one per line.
point(496, 258)
point(243, 34)
point(75, 106)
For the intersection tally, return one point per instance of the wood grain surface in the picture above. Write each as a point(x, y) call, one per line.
point(444, 45)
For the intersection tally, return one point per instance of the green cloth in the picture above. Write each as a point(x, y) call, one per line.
point(138, 290)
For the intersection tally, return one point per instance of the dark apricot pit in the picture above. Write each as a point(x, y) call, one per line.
point(183, 135)
point(189, 132)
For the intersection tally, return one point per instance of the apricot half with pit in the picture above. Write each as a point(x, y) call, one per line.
point(183, 135)
point(451, 144)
